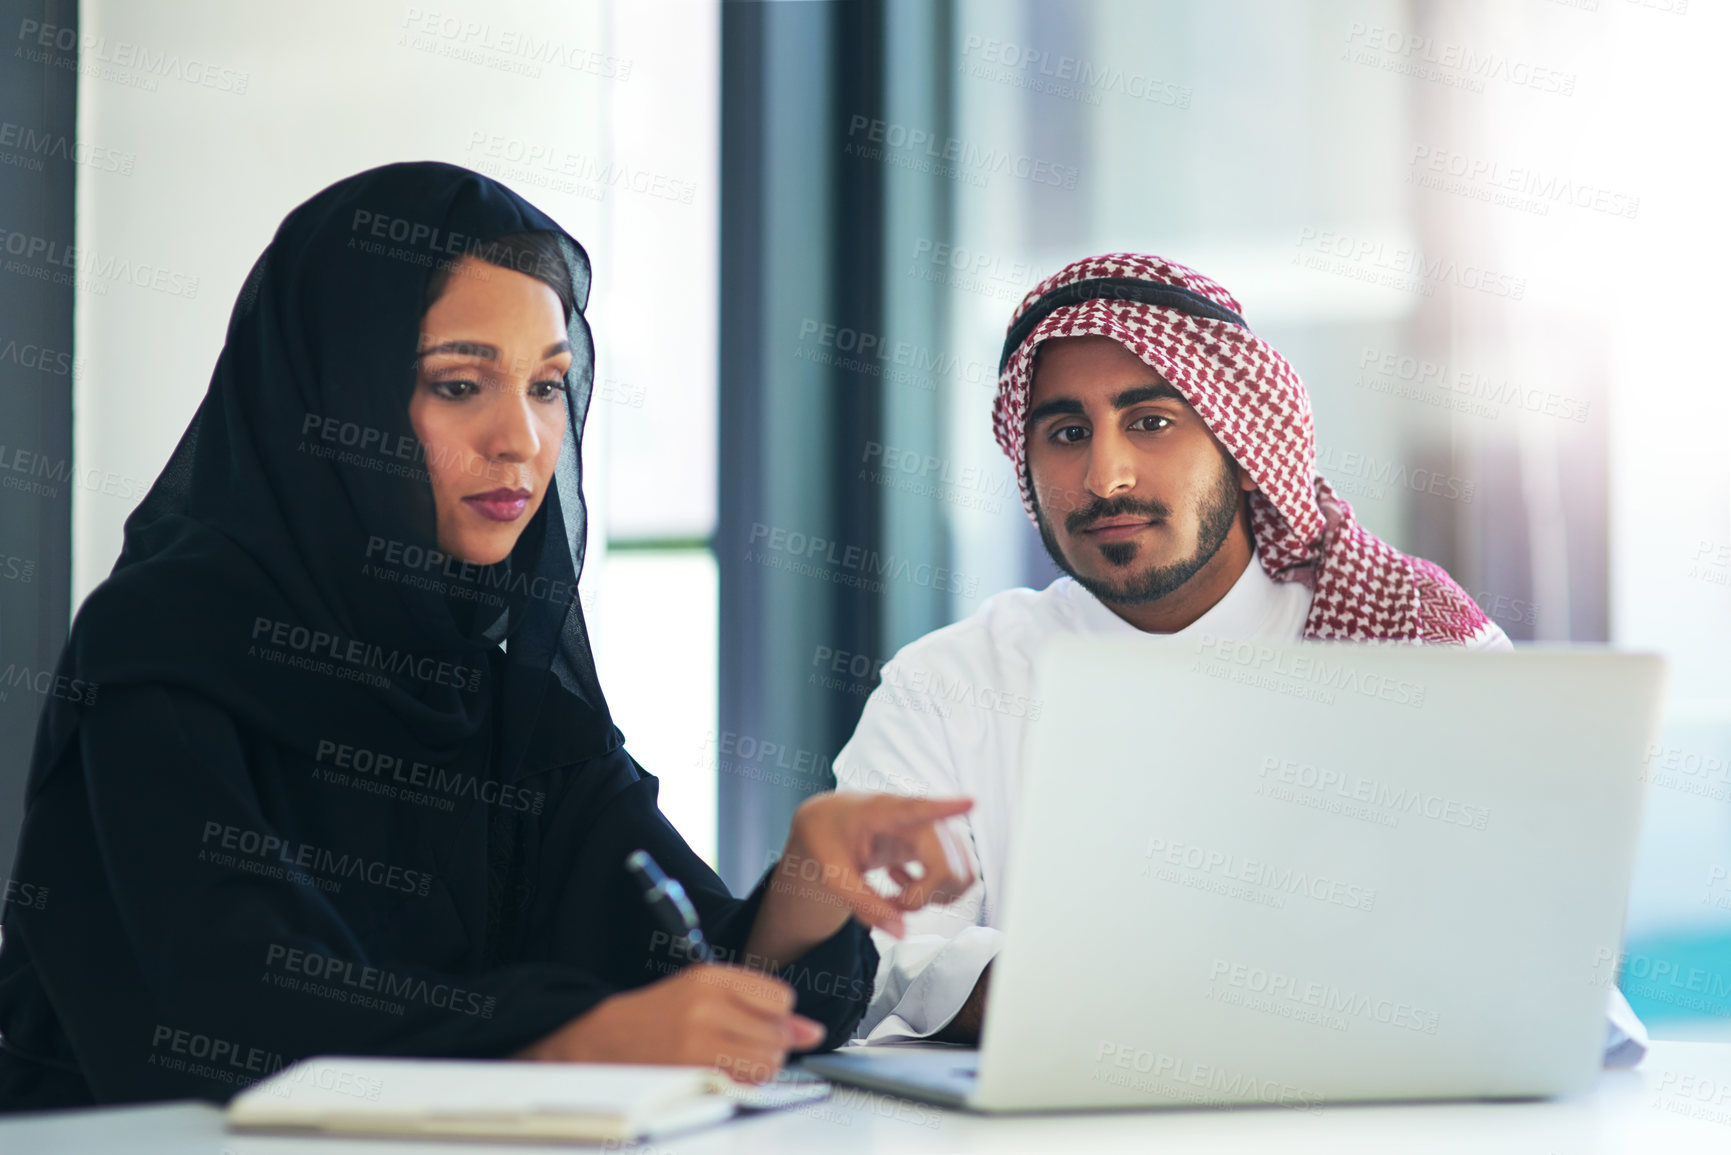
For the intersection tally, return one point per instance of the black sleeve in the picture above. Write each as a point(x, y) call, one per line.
point(171, 979)
point(833, 980)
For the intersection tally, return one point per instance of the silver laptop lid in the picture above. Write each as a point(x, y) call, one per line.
point(1307, 873)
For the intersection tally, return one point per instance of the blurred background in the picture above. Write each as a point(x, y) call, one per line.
point(1490, 235)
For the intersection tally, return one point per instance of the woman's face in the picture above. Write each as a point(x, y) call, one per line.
point(489, 405)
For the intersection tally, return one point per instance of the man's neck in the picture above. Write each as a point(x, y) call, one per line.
point(1184, 605)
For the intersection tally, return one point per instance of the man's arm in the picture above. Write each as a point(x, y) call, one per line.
point(926, 977)
point(965, 1027)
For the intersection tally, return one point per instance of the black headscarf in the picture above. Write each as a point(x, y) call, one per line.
point(285, 565)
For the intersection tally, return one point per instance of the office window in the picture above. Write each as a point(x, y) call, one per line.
point(650, 589)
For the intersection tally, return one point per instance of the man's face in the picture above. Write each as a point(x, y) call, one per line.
point(1133, 494)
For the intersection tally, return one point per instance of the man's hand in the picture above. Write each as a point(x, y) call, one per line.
point(965, 1027)
point(737, 1020)
point(834, 840)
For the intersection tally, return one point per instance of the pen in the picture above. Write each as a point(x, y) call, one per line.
point(667, 899)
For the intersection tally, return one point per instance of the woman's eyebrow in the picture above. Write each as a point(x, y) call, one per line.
point(463, 349)
point(487, 352)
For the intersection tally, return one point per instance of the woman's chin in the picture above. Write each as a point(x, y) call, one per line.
point(482, 548)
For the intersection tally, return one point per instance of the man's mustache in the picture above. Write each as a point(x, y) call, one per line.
point(1101, 508)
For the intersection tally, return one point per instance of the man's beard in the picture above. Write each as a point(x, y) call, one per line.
point(1217, 513)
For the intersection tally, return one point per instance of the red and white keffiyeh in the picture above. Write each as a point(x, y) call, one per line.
point(1253, 401)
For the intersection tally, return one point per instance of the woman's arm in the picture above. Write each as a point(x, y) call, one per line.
point(795, 924)
point(179, 965)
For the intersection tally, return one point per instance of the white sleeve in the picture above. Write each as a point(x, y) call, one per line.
point(1625, 1035)
point(1490, 637)
point(923, 979)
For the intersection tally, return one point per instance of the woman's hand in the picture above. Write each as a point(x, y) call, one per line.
point(730, 1018)
point(834, 840)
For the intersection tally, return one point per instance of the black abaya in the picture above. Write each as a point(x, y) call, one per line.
point(297, 799)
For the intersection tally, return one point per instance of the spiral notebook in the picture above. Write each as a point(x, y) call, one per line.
point(498, 1099)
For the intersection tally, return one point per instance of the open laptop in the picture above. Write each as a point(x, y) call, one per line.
point(1302, 874)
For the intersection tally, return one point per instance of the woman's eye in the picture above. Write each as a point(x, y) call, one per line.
point(455, 389)
point(549, 389)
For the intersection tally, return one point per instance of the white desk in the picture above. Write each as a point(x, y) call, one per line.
point(1678, 1101)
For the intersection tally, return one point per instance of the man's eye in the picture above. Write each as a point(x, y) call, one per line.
point(1068, 434)
point(1142, 423)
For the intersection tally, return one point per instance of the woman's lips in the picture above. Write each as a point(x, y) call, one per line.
point(500, 505)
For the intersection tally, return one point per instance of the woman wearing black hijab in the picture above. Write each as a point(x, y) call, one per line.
point(333, 772)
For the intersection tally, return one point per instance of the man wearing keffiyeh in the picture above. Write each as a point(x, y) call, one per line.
point(1167, 456)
